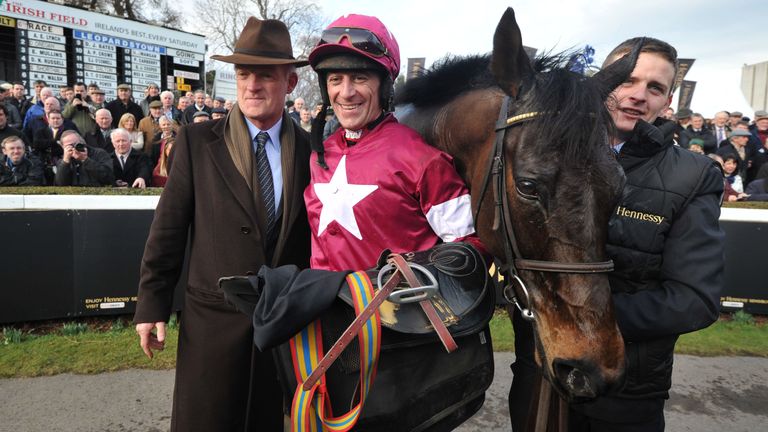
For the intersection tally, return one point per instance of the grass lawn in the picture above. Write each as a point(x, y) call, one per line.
point(75, 347)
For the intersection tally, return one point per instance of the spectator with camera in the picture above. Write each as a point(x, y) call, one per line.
point(132, 167)
point(16, 169)
point(79, 111)
point(81, 164)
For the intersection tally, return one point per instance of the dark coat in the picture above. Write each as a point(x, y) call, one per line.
point(9, 131)
point(97, 139)
point(118, 108)
point(46, 147)
point(207, 201)
point(745, 165)
point(137, 165)
point(29, 172)
point(189, 112)
point(710, 142)
point(95, 171)
point(41, 122)
point(660, 286)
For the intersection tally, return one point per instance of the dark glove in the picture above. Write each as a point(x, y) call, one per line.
point(242, 292)
point(316, 136)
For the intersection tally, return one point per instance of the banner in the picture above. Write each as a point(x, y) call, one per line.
point(682, 71)
point(686, 95)
point(415, 67)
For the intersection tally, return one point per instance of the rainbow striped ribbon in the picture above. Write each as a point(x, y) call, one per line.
point(314, 414)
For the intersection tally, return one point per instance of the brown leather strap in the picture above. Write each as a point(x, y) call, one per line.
point(426, 305)
point(351, 331)
point(561, 267)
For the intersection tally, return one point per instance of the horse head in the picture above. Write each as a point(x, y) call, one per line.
point(561, 183)
point(544, 131)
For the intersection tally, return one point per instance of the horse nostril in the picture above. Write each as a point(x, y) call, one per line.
point(576, 380)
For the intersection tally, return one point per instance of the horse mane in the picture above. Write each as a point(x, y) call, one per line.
point(448, 78)
point(579, 121)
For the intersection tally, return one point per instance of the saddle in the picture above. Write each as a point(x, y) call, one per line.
point(418, 383)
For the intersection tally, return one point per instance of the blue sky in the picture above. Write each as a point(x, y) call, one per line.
point(721, 36)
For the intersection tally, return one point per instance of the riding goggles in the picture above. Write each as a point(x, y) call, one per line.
point(362, 39)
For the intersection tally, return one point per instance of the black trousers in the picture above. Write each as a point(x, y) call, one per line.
point(579, 422)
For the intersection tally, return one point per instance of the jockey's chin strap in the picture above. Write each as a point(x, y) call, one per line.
point(513, 261)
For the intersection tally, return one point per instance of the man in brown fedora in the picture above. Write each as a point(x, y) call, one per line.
point(235, 191)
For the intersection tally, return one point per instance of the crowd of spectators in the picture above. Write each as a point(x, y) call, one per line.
point(736, 142)
point(77, 138)
point(35, 151)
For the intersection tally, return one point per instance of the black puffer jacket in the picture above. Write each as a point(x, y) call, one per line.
point(667, 246)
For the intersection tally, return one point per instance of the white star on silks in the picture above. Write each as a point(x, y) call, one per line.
point(338, 198)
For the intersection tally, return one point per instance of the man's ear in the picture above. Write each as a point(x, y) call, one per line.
point(293, 79)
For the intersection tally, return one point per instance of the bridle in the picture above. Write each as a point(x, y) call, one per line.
point(513, 260)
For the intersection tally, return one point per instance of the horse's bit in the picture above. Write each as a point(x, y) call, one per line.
point(501, 221)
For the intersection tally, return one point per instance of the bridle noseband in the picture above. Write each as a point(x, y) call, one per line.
point(501, 221)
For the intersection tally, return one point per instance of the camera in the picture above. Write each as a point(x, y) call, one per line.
point(78, 96)
point(80, 147)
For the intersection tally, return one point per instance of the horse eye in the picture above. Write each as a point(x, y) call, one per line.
point(527, 189)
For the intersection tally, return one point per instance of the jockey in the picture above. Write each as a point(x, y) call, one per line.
point(375, 184)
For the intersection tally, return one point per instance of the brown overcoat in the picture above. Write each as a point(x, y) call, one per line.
point(223, 383)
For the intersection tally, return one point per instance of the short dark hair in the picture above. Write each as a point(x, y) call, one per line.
point(18, 83)
point(40, 82)
point(650, 46)
point(53, 112)
point(80, 83)
point(4, 108)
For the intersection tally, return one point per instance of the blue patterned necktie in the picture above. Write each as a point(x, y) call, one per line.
point(265, 179)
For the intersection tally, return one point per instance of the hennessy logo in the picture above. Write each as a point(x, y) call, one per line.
point(648, 217)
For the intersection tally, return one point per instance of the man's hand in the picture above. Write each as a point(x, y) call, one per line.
point(68, 153)
point(139, 183)
point(149, 340)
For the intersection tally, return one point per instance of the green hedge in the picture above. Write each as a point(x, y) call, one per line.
point(72, 190)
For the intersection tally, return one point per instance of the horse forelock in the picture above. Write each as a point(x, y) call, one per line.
point(575, 122)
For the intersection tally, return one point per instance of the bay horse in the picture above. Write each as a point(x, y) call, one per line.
point(531, 142)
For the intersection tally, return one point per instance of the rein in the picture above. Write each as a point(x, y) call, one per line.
point(514, 262)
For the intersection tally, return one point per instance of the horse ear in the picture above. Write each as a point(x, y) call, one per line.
point(617, 72)
point(509, 62)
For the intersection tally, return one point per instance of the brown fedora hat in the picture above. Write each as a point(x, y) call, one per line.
point(264, 42)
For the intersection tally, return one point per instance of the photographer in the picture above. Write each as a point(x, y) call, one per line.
point(79, 111)
point(82, 165)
